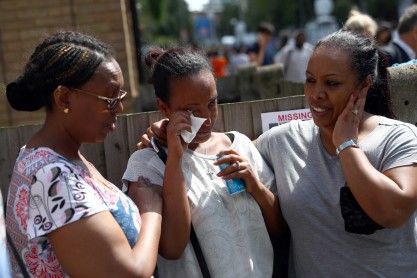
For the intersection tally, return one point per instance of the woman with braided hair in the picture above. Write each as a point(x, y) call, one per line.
point(63, 217)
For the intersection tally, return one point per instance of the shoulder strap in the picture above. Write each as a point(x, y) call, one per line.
point(15, 252)
point(231, 136)
point(199, 253)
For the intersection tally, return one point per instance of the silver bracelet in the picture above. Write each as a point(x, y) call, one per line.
point(345, 145)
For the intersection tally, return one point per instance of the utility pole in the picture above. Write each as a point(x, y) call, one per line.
point(134, 7)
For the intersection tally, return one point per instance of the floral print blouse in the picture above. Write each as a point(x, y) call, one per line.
point(47, 192)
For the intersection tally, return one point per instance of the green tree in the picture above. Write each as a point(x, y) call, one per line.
point(283, 13)
point(295, 13)
point(162, 21)
point(341, 10)
point(386, 10)
point(228, 17)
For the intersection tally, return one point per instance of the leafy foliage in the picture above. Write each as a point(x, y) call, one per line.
point(162, 21)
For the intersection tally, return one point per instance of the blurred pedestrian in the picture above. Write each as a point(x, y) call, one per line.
point(218, 62)
point(383, 34)
point(237, 58)
point(361, 23)
point(295, 56)
point(403, 47)
point(263, 51)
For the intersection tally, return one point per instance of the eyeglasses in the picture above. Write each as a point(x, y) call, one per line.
point(111, 102)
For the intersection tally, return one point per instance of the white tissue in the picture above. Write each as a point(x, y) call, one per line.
point(196, 123)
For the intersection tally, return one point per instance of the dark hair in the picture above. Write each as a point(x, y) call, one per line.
point(65, 58)
point(167, 65)
point(408, 20)
point(384, 26)
point(266, 27)
point(366, 59)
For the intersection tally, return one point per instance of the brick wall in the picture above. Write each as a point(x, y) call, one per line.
point(24, 23)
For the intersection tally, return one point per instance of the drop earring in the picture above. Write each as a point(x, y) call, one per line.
point(66, 110)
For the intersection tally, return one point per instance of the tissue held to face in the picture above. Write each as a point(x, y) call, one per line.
point(197, 94)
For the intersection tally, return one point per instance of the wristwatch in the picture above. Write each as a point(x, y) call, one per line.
point(347, 144)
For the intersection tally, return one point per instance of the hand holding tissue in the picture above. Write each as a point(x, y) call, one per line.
point(196, 123)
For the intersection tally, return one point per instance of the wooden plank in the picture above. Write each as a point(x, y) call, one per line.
point(12, 140)
point(267, 80)
point(8, 153)
point(227, 89)
point(136, 126)
point(246, 84)
point(26, 132)
point(94, 153)
point(288, 88)
point(238, 116)
point(116, 152)
point(155, 116)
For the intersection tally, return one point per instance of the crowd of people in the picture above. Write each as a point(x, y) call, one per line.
point(293, 49)
point(341, 185)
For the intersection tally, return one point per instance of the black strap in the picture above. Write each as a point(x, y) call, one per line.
point(193, 237)
point(199, 253)
point(15, 252)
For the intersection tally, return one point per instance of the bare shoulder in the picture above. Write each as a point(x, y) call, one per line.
point(221, 140)
point(369, 123)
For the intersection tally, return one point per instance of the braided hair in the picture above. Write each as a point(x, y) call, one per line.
point(66, 58)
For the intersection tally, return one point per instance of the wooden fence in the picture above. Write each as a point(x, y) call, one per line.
point(111, 156)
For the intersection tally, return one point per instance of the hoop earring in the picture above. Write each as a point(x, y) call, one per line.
point(66, 110)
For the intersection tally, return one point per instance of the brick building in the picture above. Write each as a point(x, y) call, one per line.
point(24, 23)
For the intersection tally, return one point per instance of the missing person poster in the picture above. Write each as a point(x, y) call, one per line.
point(272, 119)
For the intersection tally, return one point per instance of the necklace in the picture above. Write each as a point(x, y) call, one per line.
point(209, 171)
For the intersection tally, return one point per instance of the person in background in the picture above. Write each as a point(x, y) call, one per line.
point(263, 51)
point(232, 230)
point(383, 34)
point(237, 58)
point(284, 40)
point(5, 271)
point(403, 47)
point(361, 23)
point(218, 62)
point(63, 217)
point(294, 57)
point(346, 180)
